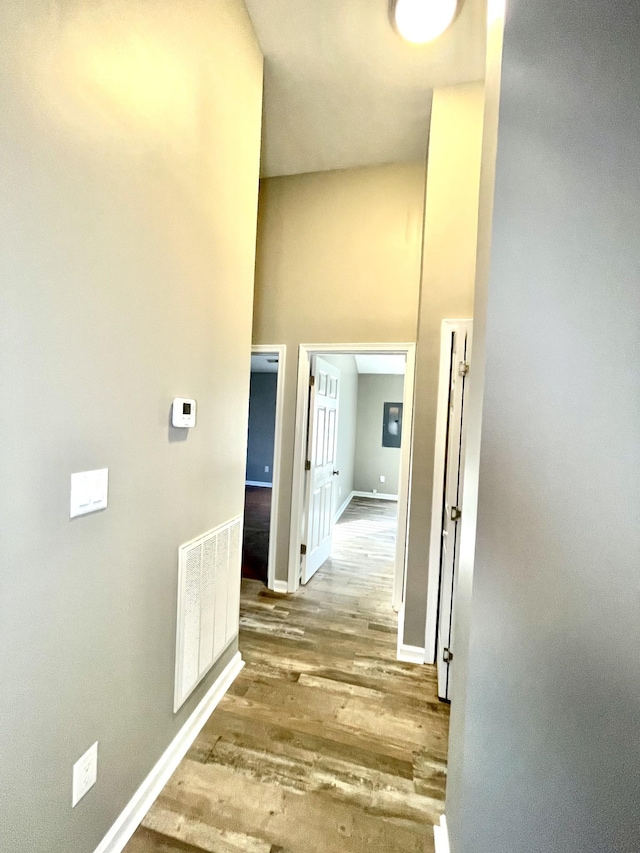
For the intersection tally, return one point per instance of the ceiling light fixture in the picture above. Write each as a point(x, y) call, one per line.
point(420, 21)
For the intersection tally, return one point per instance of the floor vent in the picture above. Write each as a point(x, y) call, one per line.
point(208, 604)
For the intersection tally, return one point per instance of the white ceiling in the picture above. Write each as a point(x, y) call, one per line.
point(264, 363)
point(342, 89)
point(381, 363)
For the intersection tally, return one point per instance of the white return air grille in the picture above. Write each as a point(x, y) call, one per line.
point(208, 603)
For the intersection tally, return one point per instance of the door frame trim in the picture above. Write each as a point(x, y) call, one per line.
point(281, 350)
point(305, 351)
point(433, 584)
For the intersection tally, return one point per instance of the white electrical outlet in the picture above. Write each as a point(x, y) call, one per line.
point(266, 469)
point(382, 478)
point(375, 491)
point(85, 773)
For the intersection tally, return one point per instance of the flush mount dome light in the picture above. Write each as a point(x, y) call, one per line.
point(420, 21)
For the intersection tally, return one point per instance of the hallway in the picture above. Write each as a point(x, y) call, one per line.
point(325, 742)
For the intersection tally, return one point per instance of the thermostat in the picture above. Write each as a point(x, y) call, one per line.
point(183, 412)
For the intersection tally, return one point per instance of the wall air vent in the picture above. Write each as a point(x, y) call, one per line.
point(208, 604)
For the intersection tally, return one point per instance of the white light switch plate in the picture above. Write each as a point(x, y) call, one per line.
point(85, 773)
point(89, 490)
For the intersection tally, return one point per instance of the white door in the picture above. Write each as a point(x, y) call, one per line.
point(322, 442)
point(452, 509)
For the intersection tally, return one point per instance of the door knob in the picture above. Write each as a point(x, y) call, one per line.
point(335, 472)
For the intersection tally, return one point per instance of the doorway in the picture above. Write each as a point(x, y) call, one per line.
point(263, 463)
point(444, 552)
point(310, 427)
point(353, 448)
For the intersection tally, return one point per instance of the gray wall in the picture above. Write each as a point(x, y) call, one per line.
point(353, 238)
point(129, 170)
point(372, 459)
point(446, 291)
point(346, 452)
point(262, 426)
point(549, 713)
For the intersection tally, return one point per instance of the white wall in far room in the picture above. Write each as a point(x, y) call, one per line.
point(372, 459)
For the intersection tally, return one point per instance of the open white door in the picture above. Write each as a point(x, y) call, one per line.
point(321, 459)
point(452, 510)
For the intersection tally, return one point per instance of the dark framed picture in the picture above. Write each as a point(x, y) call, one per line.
point(392, 425)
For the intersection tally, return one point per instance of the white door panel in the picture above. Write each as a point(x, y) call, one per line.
point(321, 456)
point(452, 496)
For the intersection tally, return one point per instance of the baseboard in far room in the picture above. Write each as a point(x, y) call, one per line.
point(441, 836)
point(376, 495)
point(256, 483)
point(410, 654)
point(281, 587)
point(116, 839)
point(342, 508)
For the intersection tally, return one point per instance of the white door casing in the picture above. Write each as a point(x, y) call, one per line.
point(322, 444)
point(297, 522)
point(458, 362)
point(448, 327)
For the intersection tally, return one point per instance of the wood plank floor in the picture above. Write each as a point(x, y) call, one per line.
point(325, 743)
point(255, 533)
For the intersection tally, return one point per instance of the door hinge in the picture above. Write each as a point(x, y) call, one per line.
point(307, 465)
point(456, 513)
point(312, 381)
point(447, 655)
point(463, 368)
point(303, 550)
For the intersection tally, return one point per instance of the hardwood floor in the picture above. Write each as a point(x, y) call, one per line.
point(325, 743)
point(255, 536)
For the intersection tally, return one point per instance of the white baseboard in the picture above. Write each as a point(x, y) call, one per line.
point(342, 508)
point(116, 839)
point(281, 587)
point(376, 495)
point(256, 483)
point(410, 654)
point(441, 836)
